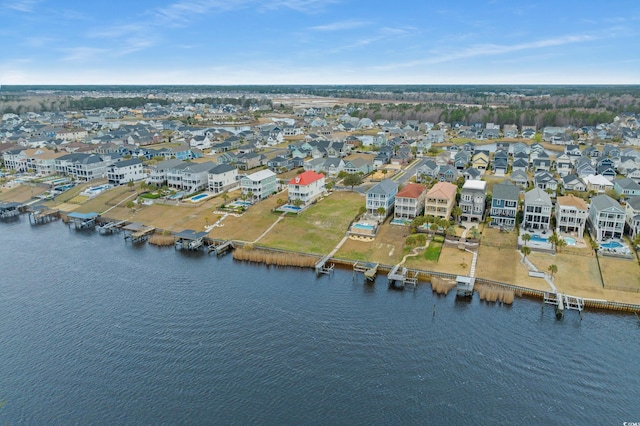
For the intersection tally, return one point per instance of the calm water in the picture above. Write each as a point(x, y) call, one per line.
point(94, 330)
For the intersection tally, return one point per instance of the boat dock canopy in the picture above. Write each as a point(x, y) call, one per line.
point(189, 234)
point(82, 216)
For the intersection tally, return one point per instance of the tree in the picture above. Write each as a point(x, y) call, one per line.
point(434, 227)
point(225, 197)
point(636, 241)
point(560, 243)
point(594, 245)
point(526, 251)
point(297, 202)
point(381, 211)
point(475, 233)
point(553, 239)
point(526, 238)
point(457, 212)
point(352, 180)
point(553, 269)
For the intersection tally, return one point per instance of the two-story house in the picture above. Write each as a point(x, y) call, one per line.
point(125, 171)
point(410, 201)
point(382, 196)
point(306, 187)
point(571, 214)
point(259, 185)
point(537, 209)
point(606, 218)
point(504, 206)
point(440, 200)
point(223, 177)
point(472, 200)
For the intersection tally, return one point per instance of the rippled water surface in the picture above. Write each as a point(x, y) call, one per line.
point(95, 330)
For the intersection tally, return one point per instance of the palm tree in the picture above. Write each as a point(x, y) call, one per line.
point(526, 238)
point(553, 239)
point(526, 251)
point(381, 211)
point(560, 243)
point(225, 197)
point(636, 241)
point(594, 245)
point(475, 233)
point(553, 269)
point(434, 227)
point(456, 212)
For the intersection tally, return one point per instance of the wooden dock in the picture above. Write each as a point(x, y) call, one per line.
point(322, 267)
point(9, 210)
point(220, 247)
point(110, 227)
point(137, 232)
point(45, 215)
point(82, 220)
point(401, 277)
point(563, 302)
point(190, 240)
point(369, 269)
point(464, 286)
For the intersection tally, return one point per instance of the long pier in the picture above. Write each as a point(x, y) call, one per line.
point(110, 227)
point(43, 215)
point(562, 302)
point(136, 232)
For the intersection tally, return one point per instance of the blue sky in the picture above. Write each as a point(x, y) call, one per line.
point(319, 42)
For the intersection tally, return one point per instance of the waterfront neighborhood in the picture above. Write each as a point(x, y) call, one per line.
point(554, 209)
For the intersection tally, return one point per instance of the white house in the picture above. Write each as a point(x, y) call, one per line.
point(537, 209)
point(223, 177)
point(606, 218)
point(125, 171)
point(259, 185)
point(571, 214)
point(410, 201)
point(306, 187)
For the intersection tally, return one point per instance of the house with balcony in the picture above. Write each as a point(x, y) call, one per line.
point(632, 216)
point(573, 183)
point(504, 206)
point(472, 200)
point(382, 196)
point(306, 187)
point(125, 171)
point(440, 200)
point(259, 185)
point(606, 218)
point(626, 187)
point(410, 201)
point(571, 214)
point(537, 210)
point(158, 172)
point(221, 178)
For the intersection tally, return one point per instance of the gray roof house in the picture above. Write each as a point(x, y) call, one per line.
point(504, 206)
point(627, 187)
point(606, 218)
point(382, 195)
point(537, 209)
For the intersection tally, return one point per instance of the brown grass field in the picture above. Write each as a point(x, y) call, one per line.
point(452, 260)
point(20, 193)
point(386, 249)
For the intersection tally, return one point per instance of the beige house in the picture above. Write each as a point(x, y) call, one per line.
point(571, 214)
point(440, 200)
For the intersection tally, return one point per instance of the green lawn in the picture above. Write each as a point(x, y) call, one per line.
point(432, 252)
point(319, 228)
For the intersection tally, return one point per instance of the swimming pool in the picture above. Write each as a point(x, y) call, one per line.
point(239, 203)
point(98, 189)
point(611, 245)
point(291, 207)
point(364, 226)
point(199, 197)
point(539, 239)
point(570, 241)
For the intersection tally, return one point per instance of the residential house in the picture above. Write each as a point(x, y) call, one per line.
point(606, 218)
point(381, 196)
point(597, 183)
point(480, 160)
point(447, 173)
point(500, 166)
point(626, 187)
point(504, 206)
point(606, 171)
point(428, 169)
point(573, 183)
point(520, 148)
point(410, 201)
point(545, 181)
point(125, 171)
point(333, 166)
point(564, 166)
point(472, 200)
point(280, 164)
point(520, 164)
point(259, 185)
point(520, 178)
point(571, 214)
point(440, 200)
point(158, 172)
point(634, 174)
point(541, 162)
point(510, 131)
point(358, 165)
point(315, 164)
point(461, 160)
point(250, 160)
point(221, 178)
point(632, 216)
point(443, 158)
point(471, 174)
point(190, 177)
point(537, 210)
point(306, 187)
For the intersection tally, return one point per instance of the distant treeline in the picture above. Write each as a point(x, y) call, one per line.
point(470, 115)
point(24, 103)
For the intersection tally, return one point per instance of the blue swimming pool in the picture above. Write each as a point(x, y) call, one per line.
point(291, 207)
point(199, 197)
point(570, 241)
point(364, 226)
point(611, 245)
point(539, 239)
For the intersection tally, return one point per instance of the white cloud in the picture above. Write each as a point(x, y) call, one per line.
point(26, 6)
point(341, 25)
